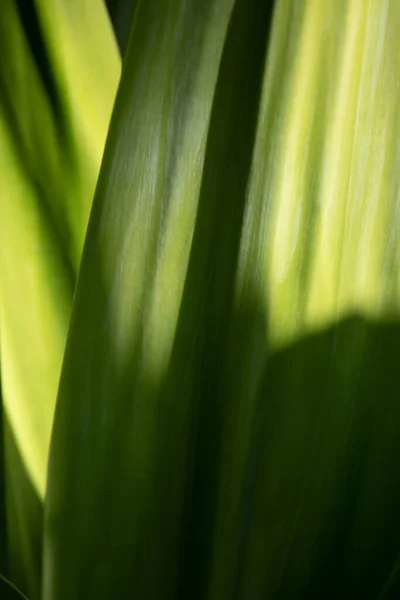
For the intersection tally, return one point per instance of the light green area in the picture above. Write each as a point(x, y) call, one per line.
point(51, 142)
point(47, 185)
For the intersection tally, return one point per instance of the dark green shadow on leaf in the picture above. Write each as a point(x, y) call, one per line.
point(8, 591)
point(24, 511)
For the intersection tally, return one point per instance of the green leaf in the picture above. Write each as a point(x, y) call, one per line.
point(59, 71)
point(24, 511)
point(8, 591)
point(3, 516)
point(226, 424)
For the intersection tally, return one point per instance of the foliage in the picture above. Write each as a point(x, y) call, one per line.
point(226, 423)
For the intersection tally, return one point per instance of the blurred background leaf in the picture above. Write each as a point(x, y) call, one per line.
point(227, 420)
point(3, 514)
point(59, 71)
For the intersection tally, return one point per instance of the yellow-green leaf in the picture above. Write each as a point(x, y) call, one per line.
point(59, 71)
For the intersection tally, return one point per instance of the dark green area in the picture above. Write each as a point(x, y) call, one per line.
point(3, 513)
point(121, 14)
point(8, 591)
point(25, 515)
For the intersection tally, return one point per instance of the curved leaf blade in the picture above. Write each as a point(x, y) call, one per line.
point(236, 316)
